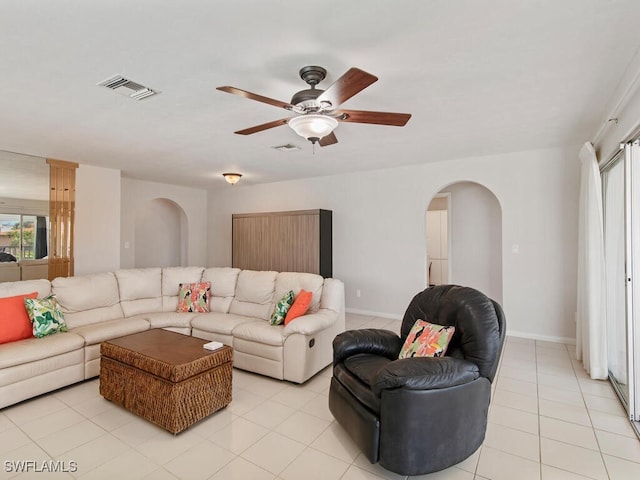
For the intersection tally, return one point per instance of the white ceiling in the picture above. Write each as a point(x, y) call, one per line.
point(479, 77)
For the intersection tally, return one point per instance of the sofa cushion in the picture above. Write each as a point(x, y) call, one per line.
point(222, 323)
point(260, 332)
point(254, 294)
point(297, 281)
point(223, 280)
point(11, 289)
point(102, 331)
point(168, 319)
point(32, 349)
point(87, 299)
point(140, 290)
point(172, 277)
point(45, 316)
point(14, 318)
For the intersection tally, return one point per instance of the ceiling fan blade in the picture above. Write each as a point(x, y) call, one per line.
point(352, 82)
point(328, 140)
point(378, 118)
point(255, 96)
point(264, 126)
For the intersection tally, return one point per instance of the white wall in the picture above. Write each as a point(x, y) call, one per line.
point(97, 222)
point(476, 239)
point(193, 202)
point(158, 234)
point(379, 230)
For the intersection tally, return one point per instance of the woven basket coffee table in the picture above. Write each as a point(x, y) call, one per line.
point(166, 378)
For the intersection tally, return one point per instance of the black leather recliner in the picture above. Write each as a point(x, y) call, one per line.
point(420, 415)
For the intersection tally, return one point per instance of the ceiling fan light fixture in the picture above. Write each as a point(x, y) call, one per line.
point(313, 127)
point(232, 178)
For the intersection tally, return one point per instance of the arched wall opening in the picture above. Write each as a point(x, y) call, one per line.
point(161, 234)
point(473, 236)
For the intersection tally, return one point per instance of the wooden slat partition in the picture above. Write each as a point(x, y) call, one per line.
point(62, 200)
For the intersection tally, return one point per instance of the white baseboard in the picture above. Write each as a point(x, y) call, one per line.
point(545, 338)
point(393, 316)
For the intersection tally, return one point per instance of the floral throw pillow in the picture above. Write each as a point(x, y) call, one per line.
point(194, 297)
point(281, 309)
point(46, 318)
point(426, 340)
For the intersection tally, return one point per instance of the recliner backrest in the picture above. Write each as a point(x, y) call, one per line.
point(479, 323)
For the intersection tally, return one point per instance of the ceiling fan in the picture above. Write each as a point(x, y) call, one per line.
point(318, 113)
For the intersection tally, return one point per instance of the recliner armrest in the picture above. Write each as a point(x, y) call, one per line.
point(425, 373)
point(367, 340)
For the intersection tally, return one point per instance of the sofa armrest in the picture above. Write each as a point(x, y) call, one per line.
point(425, 373)
point(311, 323)
point(367, 340)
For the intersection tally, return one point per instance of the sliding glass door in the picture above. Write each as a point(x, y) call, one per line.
point(621, 196)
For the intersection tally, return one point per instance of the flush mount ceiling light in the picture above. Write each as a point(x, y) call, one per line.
point(313, 127)
point(232, 178)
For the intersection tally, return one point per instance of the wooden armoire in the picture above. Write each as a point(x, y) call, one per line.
point(295, 241)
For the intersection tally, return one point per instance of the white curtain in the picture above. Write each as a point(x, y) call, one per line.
point(591, 340)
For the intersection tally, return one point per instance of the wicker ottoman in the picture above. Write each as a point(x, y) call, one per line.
point(165, 377)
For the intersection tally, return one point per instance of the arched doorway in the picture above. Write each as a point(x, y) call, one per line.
point(471, 236)
point(160, 234)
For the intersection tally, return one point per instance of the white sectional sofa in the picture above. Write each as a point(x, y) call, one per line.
point(103, 306)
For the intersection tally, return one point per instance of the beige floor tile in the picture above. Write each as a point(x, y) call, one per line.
point(612, 423)
point(517, 386)
point(273, 452)
point(518, 401)
point(302, 427)
point(619, 446)
point(363, 462)
point(515, 442)
point(130, 465)
point(507, 371)
point(573, 459)
point(312, 464)
point(159, 474)
point(94, 406)
point(497, 465)
point(5, 423)
point(264, 386)
point(239, 435)
point(240, 469)
point(567, 432)
point(60, 420)
point(33, 409)
point(572, 397)
point(134, 433)
point(471, 463)
point(200, 461)
point(620, 469)
point(164, 446)
point(562, 411)
point(294, 396)
point(12, 438)
point(64, 440)
point(601, 388)
point(269, 414)
point(563, 382)
point(318, 406)
point(514, 418)
point(244, 402)
point(452, 473)
point(92, 454)
point(611, 406)
point(553, 473)
point(114, 418)
point(210, 426)
point(79, 393)
point(335, 441)
point(357, 473)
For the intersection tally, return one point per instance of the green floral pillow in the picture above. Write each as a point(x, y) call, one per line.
point(45, 316)
point(281, 308)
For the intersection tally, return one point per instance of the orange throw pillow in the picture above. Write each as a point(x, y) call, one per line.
point(299, 307)
point(14, 319)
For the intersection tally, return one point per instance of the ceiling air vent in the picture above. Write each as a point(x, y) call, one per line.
point(286, 148)
point(128, 88)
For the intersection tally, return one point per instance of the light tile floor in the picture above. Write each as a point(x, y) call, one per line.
point(547, 421)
